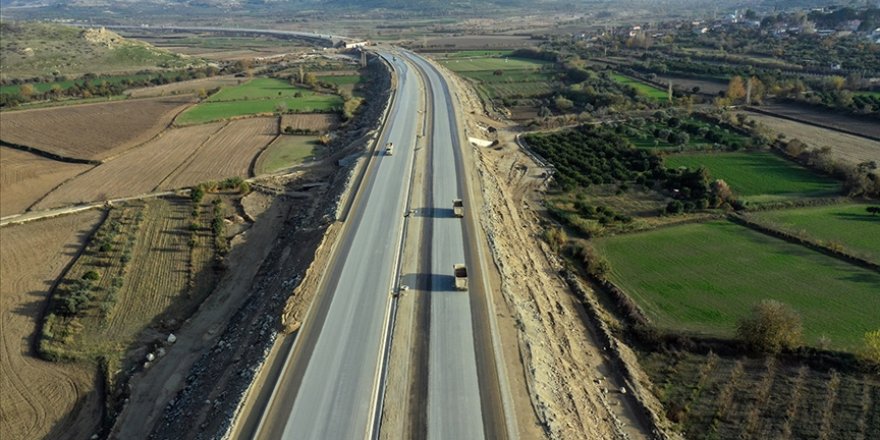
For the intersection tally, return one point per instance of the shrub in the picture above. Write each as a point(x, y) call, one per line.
point(91, 275)
point(771, 327)
point(871, 351)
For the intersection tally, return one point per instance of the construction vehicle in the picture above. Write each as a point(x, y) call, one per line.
point(458, 208)
point(389, 149)
point(460, 273)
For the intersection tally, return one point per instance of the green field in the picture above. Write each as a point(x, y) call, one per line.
point(702, 277)
point(261, 95)
point(518, 78)
point(259, 88)
point(642, 88)
point(288, 151)
point(872, 94)
point(758, 177)
point(340, 80)
point(848, 225)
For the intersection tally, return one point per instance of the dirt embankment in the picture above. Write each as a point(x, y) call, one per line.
point(41, 399)
point(568, 374)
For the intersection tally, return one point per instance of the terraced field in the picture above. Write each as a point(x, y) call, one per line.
point(92, 131)
point(26, 177)
point(285, 152)
point(850, 226)
point(136, 172)
point(702, 277)
point(230, 152)
point(759, 177)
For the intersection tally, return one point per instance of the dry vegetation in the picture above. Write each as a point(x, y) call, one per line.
point(136, 172)
point(40, 399)
point(320, 122)
point(26, 177)
point(853, 149)
point(230, 152)
point(91, 131)
point(192, 86)
point(852, 124)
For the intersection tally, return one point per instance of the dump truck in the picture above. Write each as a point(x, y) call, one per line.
point(461, 276)
point(458, 208)
point(389, 149)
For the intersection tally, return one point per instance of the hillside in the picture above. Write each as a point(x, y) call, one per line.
point(30, 49)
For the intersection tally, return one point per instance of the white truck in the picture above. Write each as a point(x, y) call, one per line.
point(458, 208)
point(459, 271)
point(389, 149)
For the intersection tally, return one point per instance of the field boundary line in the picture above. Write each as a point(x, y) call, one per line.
point(806, 242)
point(252, 167)
point(814, 124)
point(43, 197)
point(189, 158)
point(47, 155)
point(161, 132)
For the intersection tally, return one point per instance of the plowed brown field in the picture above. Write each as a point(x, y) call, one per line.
point(228, 153)
point(91, 131)
point(136, 172)
point(40, 399)
point(310, 121)
point(25, 177)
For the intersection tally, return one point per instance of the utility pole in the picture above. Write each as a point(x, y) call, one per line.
point(669, 91)
point(363, 58)
point(749, 91)
point(302, 78)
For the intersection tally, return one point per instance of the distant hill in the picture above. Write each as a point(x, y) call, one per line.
point(44, 49)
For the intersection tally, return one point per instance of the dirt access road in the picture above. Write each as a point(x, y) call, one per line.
point(562, 381)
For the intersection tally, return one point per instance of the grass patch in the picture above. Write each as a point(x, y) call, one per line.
point(643, 89)
point(259, 88)
point(506, 78)
point(288, 151)
point(847, 225)
point(759, 176)
point(340, 80)
point(701, 278)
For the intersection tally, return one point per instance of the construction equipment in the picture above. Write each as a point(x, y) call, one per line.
point(460, 273)
point(458, 208)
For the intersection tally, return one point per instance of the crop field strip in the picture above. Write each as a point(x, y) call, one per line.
point(848, 225)
point(320, 122)
point(826, 118)
point(519, 78)
point(853, 149)
point(92, 131)
point(230, 152)
point(258, 96)
point(27, 177)
point(643, 89)
point(136, 172)
point(40, 397)
point(761, 398)
point(701, 278)
point(758, 176)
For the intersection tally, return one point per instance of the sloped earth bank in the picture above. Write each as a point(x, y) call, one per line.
point(40, 399)
point(569, 377)
point(197, 388)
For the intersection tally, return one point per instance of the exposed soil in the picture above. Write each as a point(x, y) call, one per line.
point(91, 131)
point(851, 124)
point(41, 399)
point(27, 177)
point(181, 87)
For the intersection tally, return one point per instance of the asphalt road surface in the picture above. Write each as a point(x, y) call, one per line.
point(328, 390)
point(454, 405)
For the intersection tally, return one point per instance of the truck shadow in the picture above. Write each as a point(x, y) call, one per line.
point(429, 282)
point(434, 212)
